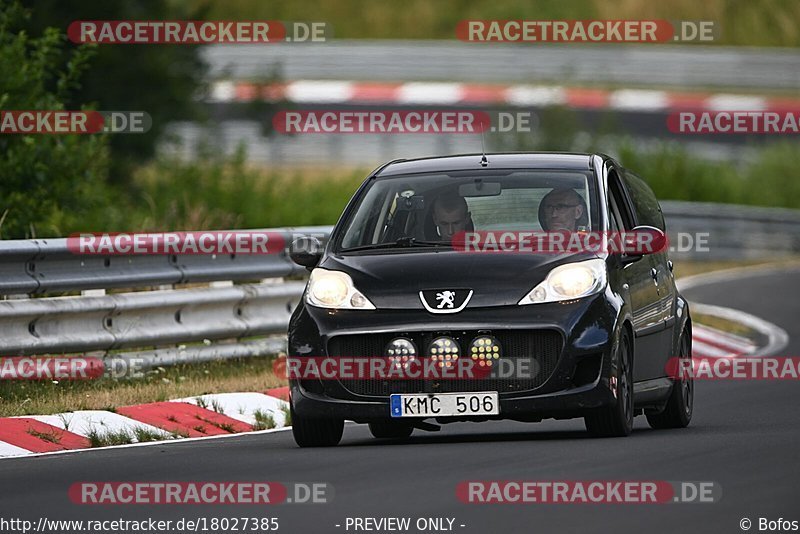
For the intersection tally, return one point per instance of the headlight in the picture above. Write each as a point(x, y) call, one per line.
point(334, 289)
point(569, 281)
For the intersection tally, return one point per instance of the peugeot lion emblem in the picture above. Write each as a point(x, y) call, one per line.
point(445, 300)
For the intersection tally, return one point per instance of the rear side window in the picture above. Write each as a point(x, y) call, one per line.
point(648, 211)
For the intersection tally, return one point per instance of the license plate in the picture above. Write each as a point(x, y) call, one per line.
point(444, 404)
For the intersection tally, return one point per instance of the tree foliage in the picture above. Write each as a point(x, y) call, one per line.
point(162, 80)
point(46, 181)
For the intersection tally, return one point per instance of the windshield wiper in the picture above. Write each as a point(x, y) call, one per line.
point(402, 242)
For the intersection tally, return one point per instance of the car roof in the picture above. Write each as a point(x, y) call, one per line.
point(469, 162)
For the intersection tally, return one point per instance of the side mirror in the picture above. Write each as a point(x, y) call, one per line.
point(641, 241)
point(306, 251)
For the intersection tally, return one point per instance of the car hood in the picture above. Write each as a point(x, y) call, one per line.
point(394, 280)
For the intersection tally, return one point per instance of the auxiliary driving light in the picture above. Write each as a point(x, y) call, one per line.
point(444, 351)
point(485, 351)
point(401, 351)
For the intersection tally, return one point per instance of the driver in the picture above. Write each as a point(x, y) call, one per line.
point(450, 214)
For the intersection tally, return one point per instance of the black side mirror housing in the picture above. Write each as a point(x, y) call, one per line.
point(641, 241)
point(306, 251)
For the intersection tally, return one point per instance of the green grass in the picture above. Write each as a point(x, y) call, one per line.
point(143, 435)
point(98, 438)
point(741, 22)
point(227, 427)
point(214, 191)
point(217, 406)
point(51, 437)
point(725, 325)
point(46, 397)
point(287, 416)
point(229, 193)
point(217, 192)
point(772, 179)
point(264, 420)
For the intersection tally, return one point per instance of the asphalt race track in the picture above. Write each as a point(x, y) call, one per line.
point(744, 436)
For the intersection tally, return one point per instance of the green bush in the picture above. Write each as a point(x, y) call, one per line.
point(47, 182)
point(213, 191)
point(740, 22)
point(771, 179)
point(162, 80)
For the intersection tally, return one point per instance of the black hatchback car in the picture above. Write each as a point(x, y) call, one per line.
point(594, 328)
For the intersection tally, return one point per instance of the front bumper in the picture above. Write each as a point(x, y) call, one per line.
point(576, 380)
point(562, 404)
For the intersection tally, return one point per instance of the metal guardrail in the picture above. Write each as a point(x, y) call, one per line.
point(147, 318)
point(48, 266)
point(734, 231)
point(34, 321)
point(156, 319)
point(616, 64)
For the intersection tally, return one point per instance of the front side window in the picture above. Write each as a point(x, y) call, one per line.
point(644, 200)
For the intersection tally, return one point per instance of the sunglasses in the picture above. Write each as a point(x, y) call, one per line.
point(560, 207)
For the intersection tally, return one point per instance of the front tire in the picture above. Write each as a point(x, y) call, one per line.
point(617, 420)
point(316, 432)
point(678, 411)
point(390, 429)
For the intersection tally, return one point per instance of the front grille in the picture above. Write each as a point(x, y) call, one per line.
point(541, 349)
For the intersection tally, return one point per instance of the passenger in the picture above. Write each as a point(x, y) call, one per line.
point(563, 209)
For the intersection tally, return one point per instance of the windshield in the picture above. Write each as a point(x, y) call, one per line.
point(430, 209)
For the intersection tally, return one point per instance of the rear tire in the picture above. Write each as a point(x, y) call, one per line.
point(390, 429)
point(316, 432)
point(617, 420)
point(678, 411)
